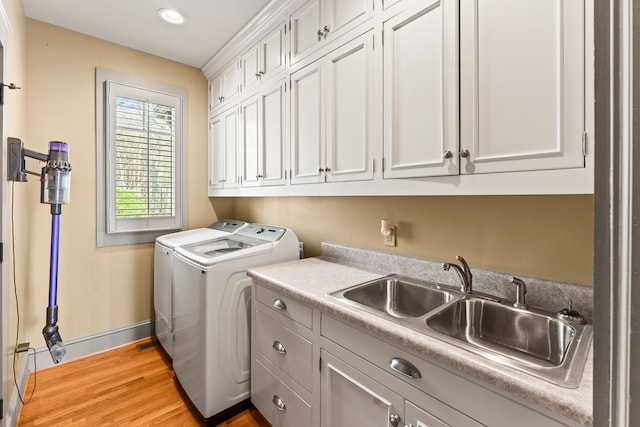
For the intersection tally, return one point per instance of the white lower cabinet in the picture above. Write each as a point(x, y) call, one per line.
point(350, 398)
point(311, 369)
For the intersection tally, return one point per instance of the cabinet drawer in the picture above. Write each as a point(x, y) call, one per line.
point(286, 306)
point(284, 348)
point(452, 389)
point(277, 402)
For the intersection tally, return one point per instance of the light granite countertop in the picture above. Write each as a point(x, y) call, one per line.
point(311, 280)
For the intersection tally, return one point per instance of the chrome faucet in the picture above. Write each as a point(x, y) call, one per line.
point(464, 273)
point(521, 291)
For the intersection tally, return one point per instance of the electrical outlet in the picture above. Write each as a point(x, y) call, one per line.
point(22, 347)
point(390, 240)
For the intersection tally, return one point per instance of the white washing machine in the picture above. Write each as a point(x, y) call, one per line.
point(163, 266)
point(211, 314)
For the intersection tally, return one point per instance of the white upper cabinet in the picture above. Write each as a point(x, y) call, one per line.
point(262, 137)
point(224, 88)
point(331, 116)
point(421, 91)
point(318, 21)
point(522, 85)
point(223, 150)
point(264, 60)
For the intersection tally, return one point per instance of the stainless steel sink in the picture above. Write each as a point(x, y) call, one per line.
point(396, 296)
point(529, 339)
point(533, 340)
point(497, 327)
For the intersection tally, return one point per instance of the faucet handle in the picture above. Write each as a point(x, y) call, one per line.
point(521, 291)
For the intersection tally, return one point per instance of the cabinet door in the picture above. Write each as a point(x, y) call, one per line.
point(230, 118)
point(349, 131)
point(250, 141)
point(306, 33)
point(272, 50)
point(216, 152)
point(272, 135)
point(250, 68)
point(421, 92)
point(350, 398)
point(215, 92)
point(447, 417)
point(307, 127)
point(343, 15)
point(230, 82)
point(522, 84)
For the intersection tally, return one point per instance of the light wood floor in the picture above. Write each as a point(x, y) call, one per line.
point(127, 386)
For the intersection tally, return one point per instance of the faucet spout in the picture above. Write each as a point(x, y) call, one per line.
point(464, 273)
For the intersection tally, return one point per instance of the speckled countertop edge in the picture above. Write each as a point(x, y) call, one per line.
point(311, 280)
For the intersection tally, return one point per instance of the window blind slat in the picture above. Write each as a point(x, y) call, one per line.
point(145, 156)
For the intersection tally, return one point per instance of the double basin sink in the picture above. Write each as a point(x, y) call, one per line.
point(535, 341)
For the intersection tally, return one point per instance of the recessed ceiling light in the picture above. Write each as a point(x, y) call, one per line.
point(171, 16)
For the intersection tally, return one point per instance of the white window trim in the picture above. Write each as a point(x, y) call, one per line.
point(103, 237)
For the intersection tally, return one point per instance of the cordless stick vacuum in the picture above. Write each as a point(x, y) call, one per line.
point(55, 184)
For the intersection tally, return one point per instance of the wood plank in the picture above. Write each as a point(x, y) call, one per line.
point(128, 386)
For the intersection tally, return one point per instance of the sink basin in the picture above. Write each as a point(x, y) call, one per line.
point(396, 296)
point(533, 340)
point(499, 327)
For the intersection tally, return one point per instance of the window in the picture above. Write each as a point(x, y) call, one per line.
point(141, 155)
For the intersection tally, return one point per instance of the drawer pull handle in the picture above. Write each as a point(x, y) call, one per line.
point(278, 304)
point(277, 345)
point(279, 403)
point(405, 368)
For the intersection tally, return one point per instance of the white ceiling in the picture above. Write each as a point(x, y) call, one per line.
point(136, 24)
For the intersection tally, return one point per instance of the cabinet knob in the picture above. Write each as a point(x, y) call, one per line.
point(320, 35)
point(278, 304)
point(325, 31)
point(277, 345)
point(258, 75)
point(404, 367)
point(262, 73)
point(394, 420)
point(447, 154)
point(464, 153)
point(279, 403)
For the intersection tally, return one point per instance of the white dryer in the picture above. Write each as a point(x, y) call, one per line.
point(211, 314)
point(163, 266)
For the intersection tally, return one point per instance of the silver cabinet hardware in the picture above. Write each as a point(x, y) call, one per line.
point(258, 75)
point(464, 153)
point(278, 304)
point(326, 30)
point(320, 35)
point(447, 154)
point(279, 403)
point(277, 345)
point(327, 170)
point(262, 73)
point(404, 367)
point(394, 420)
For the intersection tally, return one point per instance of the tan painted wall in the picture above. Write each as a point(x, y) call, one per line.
point(542, 236)
point(15, 110)
point(99, 288)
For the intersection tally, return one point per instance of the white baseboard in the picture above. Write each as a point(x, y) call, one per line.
point(76, 348)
